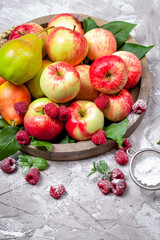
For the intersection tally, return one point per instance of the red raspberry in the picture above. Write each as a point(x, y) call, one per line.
point(116, 174)
point(105, 186)
point(139, 106)
point(64, 113)
point(33, 176)
point(118, 186)
point(8, 165)
point(21, 108)
point(121, 157)
point(126, 144)
point(57, 191)
point(101, 101)
point(22, 137)
point(51, 110)
point(99, 138)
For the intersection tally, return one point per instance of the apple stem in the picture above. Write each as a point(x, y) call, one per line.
point(12, 123)
point(74, 27)
point(45, 29)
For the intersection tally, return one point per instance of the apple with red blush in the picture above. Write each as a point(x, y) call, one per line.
point(66, 45)
point(38, 124)
point(2, 80)
point(108, 74)
point(87, 91)
point(101, 42)
point(119, 105)
point(85, 119)
point(134, 67)
point(60, 82)
point(66, 20)
point(27, 28)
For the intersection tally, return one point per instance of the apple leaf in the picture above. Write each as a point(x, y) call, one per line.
point(67, 139)
point(138, 50)
point(116, 131)
point(8, 142)
point(120, 30)
point(3, 123)
point(89, 24)
point(38, 143)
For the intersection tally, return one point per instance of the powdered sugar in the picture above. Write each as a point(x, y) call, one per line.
point(147, 171)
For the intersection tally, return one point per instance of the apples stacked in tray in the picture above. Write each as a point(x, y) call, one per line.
point(51, 68)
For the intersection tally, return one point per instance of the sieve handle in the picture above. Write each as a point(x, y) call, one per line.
point(130, 150)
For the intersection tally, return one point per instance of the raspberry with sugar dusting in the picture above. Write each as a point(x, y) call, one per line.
point(116, 174)
point(22, 137)
point(8, 165)
point(99, 138)
point(101, 102)
point(139, 106)
point(51, 110)
point(64, 114)
point(21, 108)
point(121, 157)
point(105, 186)
point(118, 186)
point(33, 176)
point(125, 145)
point(57, 191)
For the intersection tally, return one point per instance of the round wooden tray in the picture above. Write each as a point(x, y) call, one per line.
point(86, 149)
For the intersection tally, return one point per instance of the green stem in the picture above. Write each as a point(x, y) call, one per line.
point(45, 29)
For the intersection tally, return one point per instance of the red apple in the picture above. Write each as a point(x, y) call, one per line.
point(60, 82)
point(2, 80)
point(119, 106)
point(86, 119)
point(38, 124)
point(134, 68)
point(66, 20)
point(65, 45)
point(87, 91)
point(101, 42)
point(108, 74)
point(30, 28)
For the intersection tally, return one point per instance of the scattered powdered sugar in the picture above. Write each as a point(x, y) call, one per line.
point(147, 171)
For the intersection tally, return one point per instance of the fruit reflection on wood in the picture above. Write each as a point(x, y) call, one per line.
point(63, 65)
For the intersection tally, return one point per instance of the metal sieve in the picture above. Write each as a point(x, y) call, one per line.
point(136, 158)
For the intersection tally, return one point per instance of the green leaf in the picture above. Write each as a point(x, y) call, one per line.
point(25, 160)
point(158, 142)
point(138, 50)
point(116, 131)
point(40, 163)
point(120, 30)
point(3, 123)
point(67, 139)
point(8, 142)
point(89, 24)
point(90, 174)
point(102, 166)
point(45, 144)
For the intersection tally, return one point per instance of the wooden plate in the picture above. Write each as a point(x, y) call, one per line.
point(86, 149)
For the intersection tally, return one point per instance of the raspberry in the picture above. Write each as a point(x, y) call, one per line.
point(64, 113)
point(33, 176)
point(121, 157)
point(22, 137)
point(21, 108)
point(125, 145)
point(118, 186)
point(101, 101)
point(105, 186)
point(57, 191)
point(8, 165)
point(51, 110)
point(99, 138)
point(139, 106)
point(116, 174)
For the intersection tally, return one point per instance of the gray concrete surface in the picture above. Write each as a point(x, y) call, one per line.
point(29, 212)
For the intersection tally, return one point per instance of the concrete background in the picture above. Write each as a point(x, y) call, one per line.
point(29, 212)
